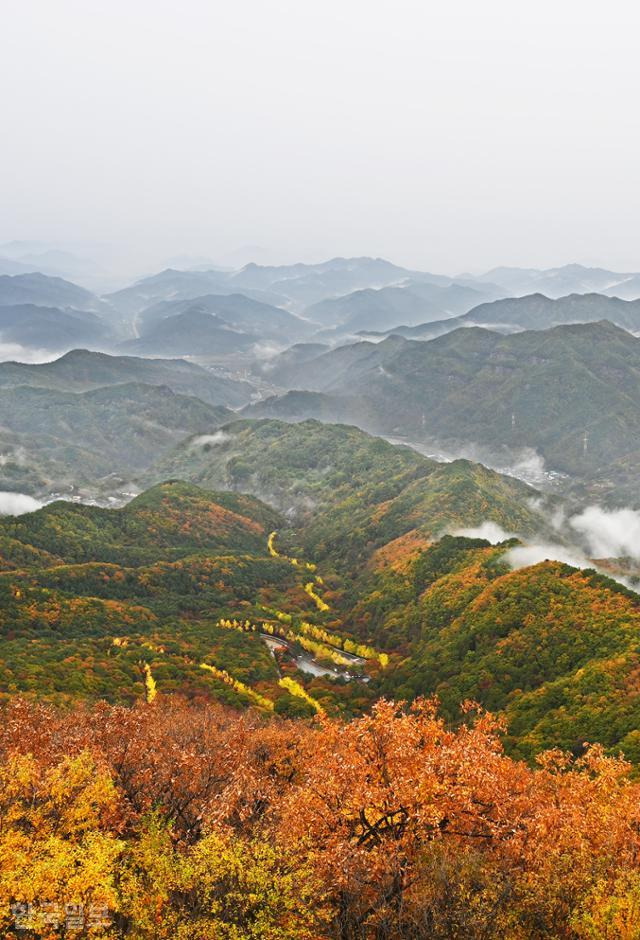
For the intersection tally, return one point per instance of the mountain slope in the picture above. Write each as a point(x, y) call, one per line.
point(321, 368)
point(299, 406)
point(349, 493)
point(44, 291)
point(535, 312)
point(50, 328)
point(81, 370)
point(116, 589)
point(51, 439)
point(292, 357)
point(98, 593)
point(374, 309)
point(242, 313)
point(539, 389)
point(554, 648)
point(171, 520)
point(572, 393)
point(627, 289)
point(89, 595)
point(194, 332)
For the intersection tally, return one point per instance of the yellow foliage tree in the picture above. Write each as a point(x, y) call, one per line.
point(57, 839)
point(238, 686)
point(149, 684)
point(317, 600)
point(222, 888)
point(270, 545)
point(294, 688)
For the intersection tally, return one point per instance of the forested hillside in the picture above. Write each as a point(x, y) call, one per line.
point(571, 393)
point(81, 370)
point(116, 431)
point(360, 592)
point(179, 588)
point(553, 648)
point(350, 493)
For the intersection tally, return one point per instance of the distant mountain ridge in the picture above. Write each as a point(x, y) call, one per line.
point(50, 439)
point(410, 302)
point(174, 285)
point(534, 312)
point(51, 328)
point(82, 370)
point(36, 288)
point(555, 282)
point(283, 304)
point(572, 393)
point(194, 332)
point(238, 310)
point(350, 491)
point(297, 285)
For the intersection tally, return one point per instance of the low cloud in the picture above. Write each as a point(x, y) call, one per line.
point(13, 352)
point(529, 465)
point(16, 504)
point(525, 463)
point(488, 530)
point(495, 327)
point(591, 534)
point(531, 554)
point(265, 350)
point(609, 533)
point(17, 456)
point(218, 437)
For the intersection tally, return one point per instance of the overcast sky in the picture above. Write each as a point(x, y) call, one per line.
point(451, 135)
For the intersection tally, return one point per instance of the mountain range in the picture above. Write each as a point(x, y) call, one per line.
point(533, 312)
point(53, 441)
point(306, 284)
point(186, 658)
point(571, 393)
point(45, 314)
point(214, 325)
point(88, 593)
point(51, 329)
point(556, 282)
point(276, 306)
point(297, 286)
point(499, 395)
point(94, 421)
point(82, 370)
point(348, 492)
point(37, 288)
point(238, 310)
point(412, 303)
point(26, 257)
point(194, 332)
point(173, 285)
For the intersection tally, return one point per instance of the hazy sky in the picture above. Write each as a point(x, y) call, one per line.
point(448, 135)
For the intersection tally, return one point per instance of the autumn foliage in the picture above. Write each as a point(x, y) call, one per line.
point(199, 821)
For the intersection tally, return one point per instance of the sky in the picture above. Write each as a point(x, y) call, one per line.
point(451, 136)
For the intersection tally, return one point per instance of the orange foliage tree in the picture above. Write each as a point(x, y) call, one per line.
point(210, 823)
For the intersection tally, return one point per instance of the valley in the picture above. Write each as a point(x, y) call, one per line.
point(350, 571)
